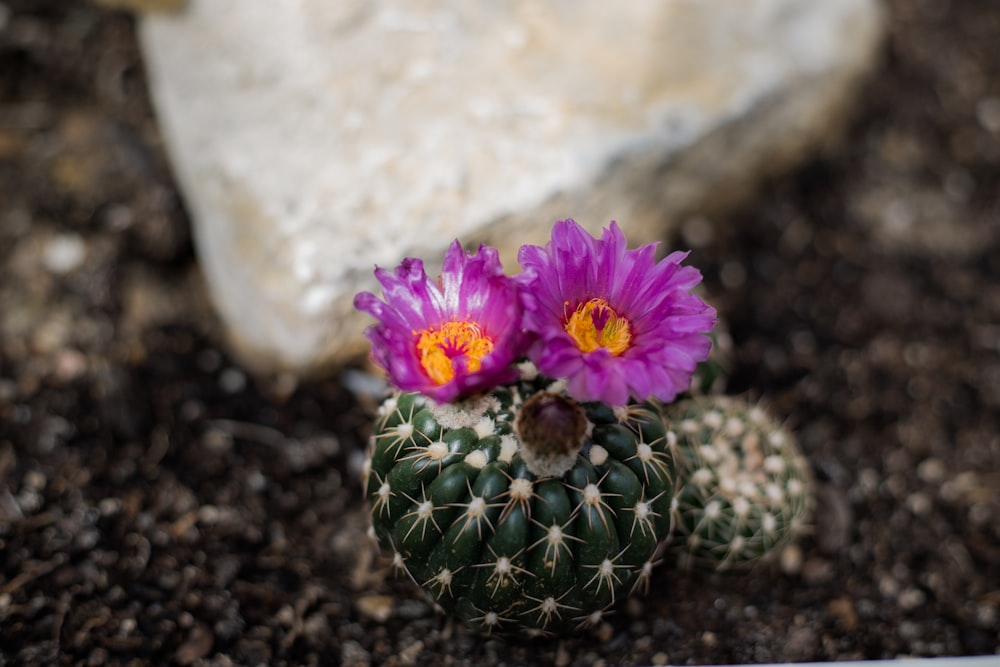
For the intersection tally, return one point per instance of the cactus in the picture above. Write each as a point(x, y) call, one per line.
point(743, 486)
point(524, 504)
point(516, 538)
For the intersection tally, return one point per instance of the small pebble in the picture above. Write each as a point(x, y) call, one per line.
point(919, 504)
point(562, 658)
point(791, 559)
point(232, 380)
point(353, 654)
point(376, 607)
point(988, 113)
point(931, 470)
point(70, 365)
point(316, 627)
point(285, 616)
point(843, 609)
point(34, 480)
point(816, 571)
point(64, 253)
point(408, 656)
point(912, 598)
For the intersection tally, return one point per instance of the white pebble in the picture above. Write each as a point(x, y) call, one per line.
point(64, 253)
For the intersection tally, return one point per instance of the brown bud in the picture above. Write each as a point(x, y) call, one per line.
point(552, 429)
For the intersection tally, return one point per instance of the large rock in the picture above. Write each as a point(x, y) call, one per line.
point(316, 139)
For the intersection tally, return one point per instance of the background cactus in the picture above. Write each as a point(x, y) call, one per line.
point(743, 489)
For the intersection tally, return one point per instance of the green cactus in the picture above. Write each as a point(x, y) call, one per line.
point(523, 512)
point(744, 489)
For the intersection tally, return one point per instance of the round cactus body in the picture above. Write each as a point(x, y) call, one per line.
point(507, 546)
point(744, 489)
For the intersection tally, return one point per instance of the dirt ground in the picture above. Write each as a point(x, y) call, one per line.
point(160, 505)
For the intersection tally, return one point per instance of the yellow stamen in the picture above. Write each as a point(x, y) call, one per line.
point(458, 339)
point(595, 324)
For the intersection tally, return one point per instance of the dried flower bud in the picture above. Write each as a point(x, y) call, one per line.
point(552, 429)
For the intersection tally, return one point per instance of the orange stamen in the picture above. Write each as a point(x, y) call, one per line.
point(457, 339)
point(595, 324)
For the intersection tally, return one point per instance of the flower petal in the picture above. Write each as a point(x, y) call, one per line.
point(667, 325)
point(473, 299)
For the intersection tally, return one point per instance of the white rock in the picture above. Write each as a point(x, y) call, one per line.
point(315, 139)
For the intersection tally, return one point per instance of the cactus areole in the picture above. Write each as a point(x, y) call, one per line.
point(527, 514)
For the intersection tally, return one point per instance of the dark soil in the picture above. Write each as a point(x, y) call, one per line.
point(161, 505)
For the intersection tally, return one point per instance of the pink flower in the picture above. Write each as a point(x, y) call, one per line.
point(451, 338)
point(614, 322)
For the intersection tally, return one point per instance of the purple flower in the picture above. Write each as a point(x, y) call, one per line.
point(451, 338)
point(614, 322)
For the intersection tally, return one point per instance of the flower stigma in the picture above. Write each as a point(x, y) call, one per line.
point(458, 339)
point(595, 324)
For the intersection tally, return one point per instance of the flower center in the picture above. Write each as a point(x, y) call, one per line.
point(458, 340)
point(595, 324)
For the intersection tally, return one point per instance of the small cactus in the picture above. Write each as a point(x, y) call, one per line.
point(512, 540)
point(743, 487)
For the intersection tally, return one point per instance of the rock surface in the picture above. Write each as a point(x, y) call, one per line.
point(314, 140)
